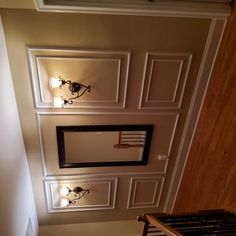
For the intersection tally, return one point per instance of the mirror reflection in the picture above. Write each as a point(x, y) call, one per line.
point(87, 146)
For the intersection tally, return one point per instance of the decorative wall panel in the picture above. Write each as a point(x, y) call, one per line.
point(105, 71)
point(102, 195)
point(164, 126)
point(145, 191)
point(162, 36)
point(164, 79)
point(192, 8)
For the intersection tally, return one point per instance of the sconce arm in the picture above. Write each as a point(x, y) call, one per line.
point(74, 88)
point(78, 193)
point(86, 88)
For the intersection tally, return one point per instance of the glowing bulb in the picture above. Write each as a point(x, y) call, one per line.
point(64, 191)
point(64, 202)
point(56, 82)
point(58, 102)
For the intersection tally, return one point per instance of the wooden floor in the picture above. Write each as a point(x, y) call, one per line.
point(209, 179)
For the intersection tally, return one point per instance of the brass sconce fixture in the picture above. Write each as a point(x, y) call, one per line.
point(75, 88)
point(72, 195)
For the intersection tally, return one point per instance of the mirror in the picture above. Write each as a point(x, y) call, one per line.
point(103, 145)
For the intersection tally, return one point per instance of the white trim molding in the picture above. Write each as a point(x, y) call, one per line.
point(170, 8)
point(72, 58)
point(154, 193)
point(183, 61)
point(46, 169)
point(105, 200)
point(213, 42)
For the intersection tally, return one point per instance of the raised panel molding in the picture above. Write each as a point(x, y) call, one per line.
point(50, 161)
point(167, 73)
point(105, 71)
point(102, 194)
point(145, 191)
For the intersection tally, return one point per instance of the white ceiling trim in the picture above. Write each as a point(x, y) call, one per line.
point(201, 9)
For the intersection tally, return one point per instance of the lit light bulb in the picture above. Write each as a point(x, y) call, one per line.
point(58, 102)
point(64, 202)
point(55, 82)
point(64, 191)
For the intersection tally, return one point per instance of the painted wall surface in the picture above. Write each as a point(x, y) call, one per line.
point(103, 32)
point(116, 228)
point(23, 4)
point(17, 205)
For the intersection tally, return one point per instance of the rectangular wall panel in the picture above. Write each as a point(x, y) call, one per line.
point(145, 191)
point(101, 196)
point(105, 71)
point(164, 80)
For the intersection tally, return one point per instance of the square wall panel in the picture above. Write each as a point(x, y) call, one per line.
point(145, 191)
point(164, 79)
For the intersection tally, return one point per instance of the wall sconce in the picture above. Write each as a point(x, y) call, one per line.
point(72, 195)
point(75, 88)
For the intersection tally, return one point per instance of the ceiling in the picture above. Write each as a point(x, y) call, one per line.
point(143, 70)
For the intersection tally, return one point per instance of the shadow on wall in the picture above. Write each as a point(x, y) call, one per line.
point(17, 203)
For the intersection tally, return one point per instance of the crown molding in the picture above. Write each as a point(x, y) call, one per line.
point(169, 8)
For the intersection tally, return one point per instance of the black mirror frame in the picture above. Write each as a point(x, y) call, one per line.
point(91, 128)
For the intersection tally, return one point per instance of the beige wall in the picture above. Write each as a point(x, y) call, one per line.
point(16, 205)
point(103, 32)
point(22, 4)
point(114, 228)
